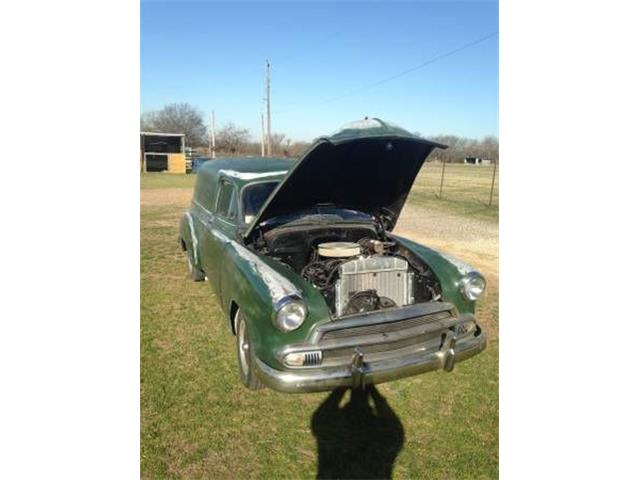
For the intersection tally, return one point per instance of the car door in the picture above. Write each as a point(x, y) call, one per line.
point(221, 229)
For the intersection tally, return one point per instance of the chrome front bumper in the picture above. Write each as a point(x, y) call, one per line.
point(360, 371)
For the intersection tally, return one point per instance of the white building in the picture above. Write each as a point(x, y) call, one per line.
point(477, 161)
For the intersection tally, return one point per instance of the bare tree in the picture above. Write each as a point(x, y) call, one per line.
point(177, 118)
point(277, 139)
point(461, 147)
point(231, 138)
point(490, 148)
point(298, 148)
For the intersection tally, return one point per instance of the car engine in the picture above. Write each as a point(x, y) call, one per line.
point(366, 276)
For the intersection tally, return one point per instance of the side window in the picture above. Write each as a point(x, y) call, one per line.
point(226, 206)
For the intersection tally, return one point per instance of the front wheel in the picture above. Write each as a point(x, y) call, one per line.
point(246, 362)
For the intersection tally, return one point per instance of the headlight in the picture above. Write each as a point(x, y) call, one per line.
point(290, 314)
point(472, 285)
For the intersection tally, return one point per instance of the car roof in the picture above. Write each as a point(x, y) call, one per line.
point(242, 170)
point(239, 171)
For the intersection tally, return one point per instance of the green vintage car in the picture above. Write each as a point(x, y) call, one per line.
point(316, 288)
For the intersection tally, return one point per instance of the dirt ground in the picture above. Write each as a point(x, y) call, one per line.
point(166, 196)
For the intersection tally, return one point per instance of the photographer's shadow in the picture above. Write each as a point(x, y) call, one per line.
point(359, 440)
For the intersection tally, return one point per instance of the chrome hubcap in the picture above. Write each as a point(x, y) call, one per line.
point(243, 347)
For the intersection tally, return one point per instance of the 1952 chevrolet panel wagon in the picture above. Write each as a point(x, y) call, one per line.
point(317, 290)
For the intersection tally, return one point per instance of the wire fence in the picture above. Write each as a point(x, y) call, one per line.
point(456, 182)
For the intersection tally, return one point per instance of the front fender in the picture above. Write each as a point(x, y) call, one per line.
point(448, 269)
point(249, 280)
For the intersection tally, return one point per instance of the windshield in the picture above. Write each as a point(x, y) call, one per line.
point(254, 196)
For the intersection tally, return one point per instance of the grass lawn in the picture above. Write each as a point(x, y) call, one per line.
point(198, 421)
point(465, 190)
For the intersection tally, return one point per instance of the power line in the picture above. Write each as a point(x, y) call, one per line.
point(412, 69)
point(417, 67)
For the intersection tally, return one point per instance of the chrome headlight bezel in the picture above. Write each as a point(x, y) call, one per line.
point(470, 283)
point(290, 314)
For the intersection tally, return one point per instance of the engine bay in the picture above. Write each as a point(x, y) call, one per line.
point(357, 269)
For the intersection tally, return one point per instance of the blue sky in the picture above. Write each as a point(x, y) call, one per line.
point(212, 55)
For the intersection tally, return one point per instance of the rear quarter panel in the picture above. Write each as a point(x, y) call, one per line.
point(187, 235)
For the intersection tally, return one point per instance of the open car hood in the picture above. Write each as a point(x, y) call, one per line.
point(367, 166)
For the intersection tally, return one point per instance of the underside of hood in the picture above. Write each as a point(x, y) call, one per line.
point(367, 166)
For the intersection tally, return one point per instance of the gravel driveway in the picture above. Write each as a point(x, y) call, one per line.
point(475, 241)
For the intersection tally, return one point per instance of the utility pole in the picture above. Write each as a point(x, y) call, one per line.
point(262, 136)
point(268, 100)
point(213, 134)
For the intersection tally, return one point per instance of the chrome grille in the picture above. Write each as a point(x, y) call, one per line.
point(386, 327)
point(427, 340)
point(312, 358)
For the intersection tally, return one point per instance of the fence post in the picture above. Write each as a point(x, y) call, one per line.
point(493, 181)
point(442, 177)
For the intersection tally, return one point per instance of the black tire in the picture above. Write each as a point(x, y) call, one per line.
point(195, 273)
point(246, 361)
